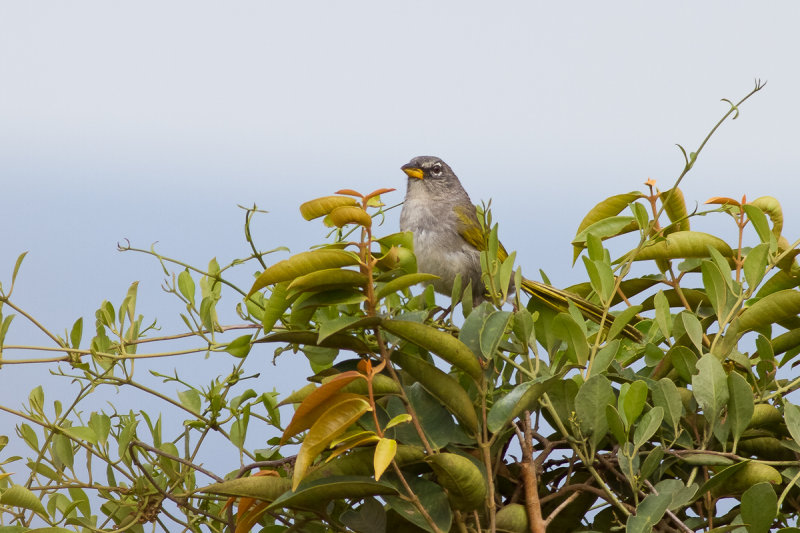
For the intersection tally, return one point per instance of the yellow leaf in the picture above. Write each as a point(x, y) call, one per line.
point(302, 264)
point(342, 216)
point(384, 454)
point(339, 415)
point(322, 206)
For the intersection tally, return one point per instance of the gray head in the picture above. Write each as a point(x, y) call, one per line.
point(430, 170)
point(431, 179)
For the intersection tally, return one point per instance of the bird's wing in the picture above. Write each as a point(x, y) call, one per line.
point(470, 229)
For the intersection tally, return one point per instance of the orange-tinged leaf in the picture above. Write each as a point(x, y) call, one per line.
point(342, 216)
point(339, 415)
point(302, 264)
point(350, 192)
point(245, 523)
point(322, 206)
point(722, 200)
point(384, 454)
point(303, 418)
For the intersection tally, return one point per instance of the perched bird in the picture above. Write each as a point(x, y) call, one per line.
point(448, 239)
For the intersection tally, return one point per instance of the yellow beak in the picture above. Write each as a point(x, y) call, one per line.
point(412, 172)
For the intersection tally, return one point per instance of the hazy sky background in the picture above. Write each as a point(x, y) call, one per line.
point(151, 120)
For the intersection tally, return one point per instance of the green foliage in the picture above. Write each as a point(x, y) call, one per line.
point(419, 418)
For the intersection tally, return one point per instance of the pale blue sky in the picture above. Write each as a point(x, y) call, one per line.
point(151, 120)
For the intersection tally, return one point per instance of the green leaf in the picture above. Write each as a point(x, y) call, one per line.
point(681, 245)
point(605, 228)
point(566, 328)
point(771, 309)
point(755, 264)
point(492, 332)
point(101, 425)
point(622, 319)
point(604, 357)
point(590, 406)
point(759, 221)
point(647, 426)
point(62, 451)
point(716, 288)
point(276, 306)
point(609, 207)
point(684, 361)
point(663, 316)
point(81, 433)
point(370, 517)
point(17, 265)
point(326, 279)
point(694, 329)
point(442, 386)
point(191, 400)
point(186, 286)
point(720, 478)
point(266, 488)
point(440, 343)
point(19, 496)
point(240, 346)
point(463, 480)
point(397, 420)
point(403, 282)
point(615, 424)
point(315, 495)
point(433, 499)
point(675, 208)
point(740, 405)
point(523, 397)
point(310, 338)
point(791, 414)
point(710, 387)
point(648, 513)
point(759, 507)
point(344, 323)
point(76, 333)
point(666, 396)
point(772, 208)
point(632, 397)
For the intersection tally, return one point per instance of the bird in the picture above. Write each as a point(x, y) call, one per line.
point(448, 239)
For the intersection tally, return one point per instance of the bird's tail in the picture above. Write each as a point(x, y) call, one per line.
point(559, 301)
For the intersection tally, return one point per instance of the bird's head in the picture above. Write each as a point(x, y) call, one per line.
point(428, 167)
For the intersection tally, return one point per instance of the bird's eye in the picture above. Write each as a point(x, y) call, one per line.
point(437, 169)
